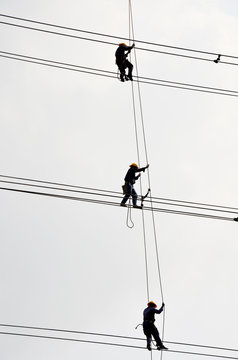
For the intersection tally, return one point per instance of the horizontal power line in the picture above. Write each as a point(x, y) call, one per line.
point(111, 203)
point(111, 43)
point(117, 196)
point(110, 344)
point(112, 74)
point(111, 335)
point(114, 192)
point(121, 37)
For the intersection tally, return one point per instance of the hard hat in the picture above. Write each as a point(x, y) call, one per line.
point(122, 44)
point(134, 164)
point(152, 304)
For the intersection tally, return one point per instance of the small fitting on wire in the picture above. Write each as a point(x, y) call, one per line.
point(218, 59)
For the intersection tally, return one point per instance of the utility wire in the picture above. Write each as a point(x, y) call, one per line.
point(110, 344)
point(102, 202)
point(121, 37)
point(138, 157)
point(117, 192)
point(112, 336)
point(148, 175)
point(112, 74)
point(110, 43)
point(110, 195)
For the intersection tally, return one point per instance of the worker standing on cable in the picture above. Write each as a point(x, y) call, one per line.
point(121, 60)
point(130, 180)
point(149, 328)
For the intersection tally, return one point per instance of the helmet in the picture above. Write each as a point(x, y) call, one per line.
point(152, 304)
point(134, 164)
point(122, 44)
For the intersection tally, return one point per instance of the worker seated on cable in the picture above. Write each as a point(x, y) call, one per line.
point(130, 180)
point(148, 325)
point(121, 60)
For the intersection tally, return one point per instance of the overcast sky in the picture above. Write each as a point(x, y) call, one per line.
point(74, 265)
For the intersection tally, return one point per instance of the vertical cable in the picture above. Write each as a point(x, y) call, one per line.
point(138, 157)
point(146, 155)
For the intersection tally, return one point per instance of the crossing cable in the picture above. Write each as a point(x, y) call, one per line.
point(110, 344)
point(113, 74)
point(118, 37)
point(138, 157)
point(148, 175)
point(111, 335)
point(99, 191)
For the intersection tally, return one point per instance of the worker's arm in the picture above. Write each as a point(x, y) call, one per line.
point(160, 310)
point(129, 48)
point(142, 169)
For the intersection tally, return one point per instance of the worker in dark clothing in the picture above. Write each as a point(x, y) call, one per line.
point(149, 328)
point(121, 60)
point(130, 180)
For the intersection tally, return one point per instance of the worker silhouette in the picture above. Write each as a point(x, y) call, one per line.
point(149, 328)
point(121, 60)
point(130, 180)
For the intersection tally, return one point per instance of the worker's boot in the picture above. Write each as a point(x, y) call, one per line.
point(149, 347)
point(137, 207)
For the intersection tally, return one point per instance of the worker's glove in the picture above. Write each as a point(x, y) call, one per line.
point(163, 304)
point(133, 45)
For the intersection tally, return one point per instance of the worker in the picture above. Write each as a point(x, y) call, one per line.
point(122, 62)
point(149, 328)
point(130, 180)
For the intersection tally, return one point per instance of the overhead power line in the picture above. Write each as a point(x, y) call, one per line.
point(110, 344)
point(112, 203)
point(113, 74)
point(183, 49)
point(93, 190)
point(111, 336)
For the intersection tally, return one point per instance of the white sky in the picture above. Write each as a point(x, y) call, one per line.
point(76, 265)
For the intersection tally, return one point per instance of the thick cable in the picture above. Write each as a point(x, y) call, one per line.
point(164, 200)
point(110, 344)
point(102, 202)
point(110, 335)
point(139, 78)
point(119, 37)
point(111, 74)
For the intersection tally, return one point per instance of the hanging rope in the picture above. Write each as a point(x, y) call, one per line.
point(129, 222)
point(148, 174)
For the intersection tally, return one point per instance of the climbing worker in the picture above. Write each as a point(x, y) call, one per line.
point(130, 180)
point(149, 328)
point(122, 62)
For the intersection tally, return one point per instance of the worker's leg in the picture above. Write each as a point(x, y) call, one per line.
point(122, 69)
point(134, 196)
point(128, 193)
point(155, 333)
point(148, 336)
point(130, 68)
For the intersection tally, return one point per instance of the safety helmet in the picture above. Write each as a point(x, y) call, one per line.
point(134, 164)
point(152, 304)
point(122, 44)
